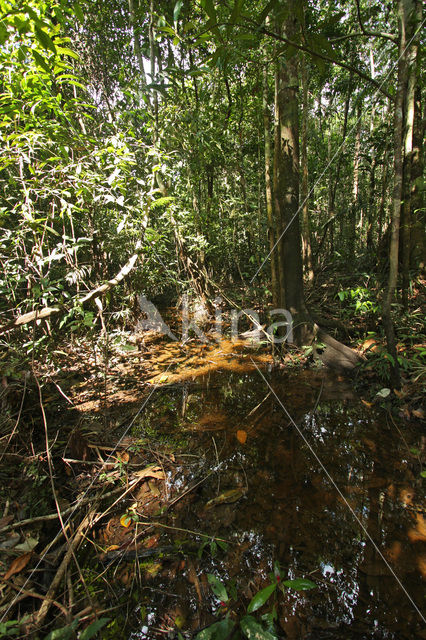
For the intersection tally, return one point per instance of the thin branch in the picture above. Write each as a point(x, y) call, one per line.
point(322, 56)
point(374, 34)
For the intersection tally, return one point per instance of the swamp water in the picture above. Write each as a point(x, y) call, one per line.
point(289, 469)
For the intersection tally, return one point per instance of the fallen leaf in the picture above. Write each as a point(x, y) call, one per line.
point(5, 521)
point(241, 436)
point(125, 520)
point(152, 471)
point(112, 547)
point(418, 413)
point(367, 404)
point(123, 456)
point(18, 564)
point(152, 541)
point(28, 545)
point(227, 497)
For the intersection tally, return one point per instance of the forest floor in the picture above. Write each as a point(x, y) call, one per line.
point(144, 446)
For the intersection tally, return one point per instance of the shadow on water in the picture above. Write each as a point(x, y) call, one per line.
point(263, 490)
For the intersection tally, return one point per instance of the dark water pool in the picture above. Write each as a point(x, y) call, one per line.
point(292, 470)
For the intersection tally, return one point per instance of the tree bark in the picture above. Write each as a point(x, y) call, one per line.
point(272, 236)
point(397, 193)
point(287, 185)
point(304, 194)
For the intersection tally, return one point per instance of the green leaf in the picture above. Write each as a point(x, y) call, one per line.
point(236, 10)
point(44, 39)
point(300, 584)
point(217, 587)
point(78, 12)
point(64, 633)
point(423, 474)
point(93, 628)
point(254, 631)
point(3, 33)
point(177, 10)
point(261, 597)
point(266, 11)
point(208, 7)
point(40, 61)
point(217, 631)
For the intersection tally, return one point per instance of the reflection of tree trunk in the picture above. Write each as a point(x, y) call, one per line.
point(306, 232)
point(268, 189)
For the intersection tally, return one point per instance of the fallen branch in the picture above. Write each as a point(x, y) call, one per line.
point(39, 314)
point(49, 598)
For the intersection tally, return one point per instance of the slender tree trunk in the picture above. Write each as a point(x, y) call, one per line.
point(287, 184)
point(418, 236)
point(355, 186)
point(409, 107)
point(268, 188)
point(153, 74)
point(306, 223)
point(277, 219)
point(397, 191)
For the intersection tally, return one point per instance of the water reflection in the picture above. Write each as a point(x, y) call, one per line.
point(291, 512)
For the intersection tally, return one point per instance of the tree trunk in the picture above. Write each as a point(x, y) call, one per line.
point(306, 230)
point(268, 189)
point(355, 186)
point(287, 185)
point(406, 212)
point(397, 191)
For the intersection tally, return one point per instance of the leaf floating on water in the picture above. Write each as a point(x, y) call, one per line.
point(241, 436)
point(253, 630)
point(227, 497)
point(18, 564)
point(217, 587)
point(383, 393)
point(300, 584)
point(217, 630)
point(261, 597)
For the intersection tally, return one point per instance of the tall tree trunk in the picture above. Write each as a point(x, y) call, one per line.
point(355, 186)
point(306, 230)
point(287, 184)
point(418, 236)
point(409, 105)
point(404, 7)
point(272, 237)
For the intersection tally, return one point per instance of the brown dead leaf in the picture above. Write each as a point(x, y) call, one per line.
point(18, 564)
point(5, 521)
point(152, 471)
point(152, 541)
point(367, 404)
point(241, 436)
point(123, 456)
point(418, 413)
